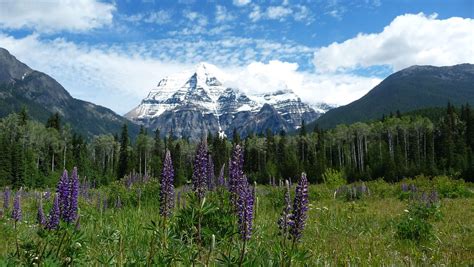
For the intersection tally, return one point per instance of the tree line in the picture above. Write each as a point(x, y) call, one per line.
point(33, 154)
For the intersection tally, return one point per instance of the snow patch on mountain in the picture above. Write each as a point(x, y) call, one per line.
point(200, 90)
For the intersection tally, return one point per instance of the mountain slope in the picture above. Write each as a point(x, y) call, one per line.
point(42, 95)
point(193, 103)
point(413, 88)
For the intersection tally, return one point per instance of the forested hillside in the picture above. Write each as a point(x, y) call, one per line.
point(395, 147)
point(413, 88)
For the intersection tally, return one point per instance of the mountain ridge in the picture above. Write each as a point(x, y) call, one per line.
point(181, 102)
point(416, 87)
point(43, 95)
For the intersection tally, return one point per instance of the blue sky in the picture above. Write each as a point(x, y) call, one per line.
point(113, 52)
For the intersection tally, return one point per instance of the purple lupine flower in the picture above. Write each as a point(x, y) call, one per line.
point(285, 222)
point(236, 172)
point(300, 208)
point(40, 218)
point(167, 187)
point(6, 199)
point(210, 173)
point(200, 170)
point(221, 179)
point(72, 207)
point(244, 208)
point(54, 214)
point(63, 194)
point(430, 199)
point(16, 213)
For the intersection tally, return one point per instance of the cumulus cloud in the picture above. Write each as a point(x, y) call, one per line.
point(338, 89)
point(53, 16)
point(119, 78)
point(410, 39)
point(241, 2)
point(105, 76)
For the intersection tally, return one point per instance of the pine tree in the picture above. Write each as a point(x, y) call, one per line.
point(54, 122)
point(123, 165)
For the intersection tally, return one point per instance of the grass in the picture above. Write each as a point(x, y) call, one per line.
point(338, 232)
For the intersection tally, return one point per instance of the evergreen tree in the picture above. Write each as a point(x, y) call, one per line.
point(123, 165)
point(54, 121)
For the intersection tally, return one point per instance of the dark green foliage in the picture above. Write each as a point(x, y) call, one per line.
point(416, 223)
point(123, 165)
point(216, 214)
point(392, 149)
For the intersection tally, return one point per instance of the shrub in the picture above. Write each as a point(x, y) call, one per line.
point(416, 223)
point(451, 188)
point(334, 178)
point(381, 188)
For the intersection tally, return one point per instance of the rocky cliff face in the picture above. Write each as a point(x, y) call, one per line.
point(193, 103)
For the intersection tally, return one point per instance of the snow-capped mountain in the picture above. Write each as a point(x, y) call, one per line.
point(193, 103)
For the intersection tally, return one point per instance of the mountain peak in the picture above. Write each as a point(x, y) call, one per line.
point(11, 68)
point(195, 101)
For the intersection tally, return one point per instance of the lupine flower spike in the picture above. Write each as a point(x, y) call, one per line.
point(245, 209)
point(40, 218)
point(300, 208)
point(167, 187)
point(16, 213)
point(284, 222)
point(236, 172)
point(63, 194)
point(54, 214)
point(73, 197)
point(200, 170)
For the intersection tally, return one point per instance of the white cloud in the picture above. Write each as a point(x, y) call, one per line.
point(256, 14)
point(195, 17)
point(105, 76)
point(119, 78)
point(313, 88)
point(222, 15)
point(53, 16)
point(241, 2)
point(278, 12)
point(410, 39)
point(281, 12)
point(157, 17)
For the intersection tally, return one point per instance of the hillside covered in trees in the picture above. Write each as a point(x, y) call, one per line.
point(33, 154)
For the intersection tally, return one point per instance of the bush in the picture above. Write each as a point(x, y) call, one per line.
point(334, 178)
point(451, 188)
point(416, 223)
point(380, 188)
